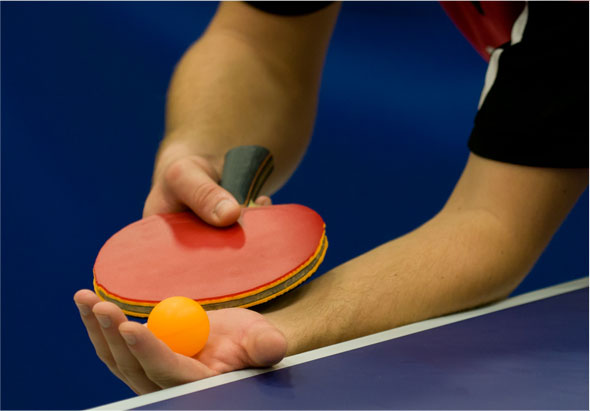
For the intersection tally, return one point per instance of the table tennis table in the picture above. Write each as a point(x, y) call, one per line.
point(526, 352)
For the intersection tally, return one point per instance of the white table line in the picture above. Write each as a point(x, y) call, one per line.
point(346, 346)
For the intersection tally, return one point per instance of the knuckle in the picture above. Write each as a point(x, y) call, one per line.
point(115, 371)
point(204, 194)
point(105, 357)
point(161, 377)
point(176, 170)
point(129, 371)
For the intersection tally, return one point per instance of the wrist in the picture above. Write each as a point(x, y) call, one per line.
point(305, 318)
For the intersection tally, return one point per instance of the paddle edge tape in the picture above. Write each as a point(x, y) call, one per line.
point(253, 297)
point(278, 287)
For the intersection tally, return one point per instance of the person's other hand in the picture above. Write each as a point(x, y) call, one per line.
point(190, 182)
point(239, 338)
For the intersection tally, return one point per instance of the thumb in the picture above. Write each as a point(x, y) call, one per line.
point(264, 344)
point(191, 181)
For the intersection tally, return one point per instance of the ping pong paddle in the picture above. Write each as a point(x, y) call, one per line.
point(269, 251)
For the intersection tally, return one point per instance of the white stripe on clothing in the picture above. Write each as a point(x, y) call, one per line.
point(515, 38)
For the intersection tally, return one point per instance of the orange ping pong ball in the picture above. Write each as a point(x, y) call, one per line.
point(181, 323)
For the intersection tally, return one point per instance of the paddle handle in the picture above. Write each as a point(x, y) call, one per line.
point(245, 171)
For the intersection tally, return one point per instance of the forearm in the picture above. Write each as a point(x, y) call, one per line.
point(494, 227)
point(252, 78)
point(453, 262)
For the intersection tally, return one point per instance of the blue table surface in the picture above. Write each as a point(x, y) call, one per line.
point(532, 356)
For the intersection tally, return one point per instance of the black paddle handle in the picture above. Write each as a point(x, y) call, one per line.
point(245, 171)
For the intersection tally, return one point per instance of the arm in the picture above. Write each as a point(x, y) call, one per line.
point(493, 228)
point(252, 78)
point(476, 250)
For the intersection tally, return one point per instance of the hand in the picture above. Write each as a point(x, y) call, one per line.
point(238, 339)
point(185, 181)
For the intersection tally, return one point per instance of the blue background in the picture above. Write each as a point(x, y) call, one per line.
point(83, 91)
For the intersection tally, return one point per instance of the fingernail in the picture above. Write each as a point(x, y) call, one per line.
point(104, 321)
point(84, 309)
point(129, 338)
point(223, 208)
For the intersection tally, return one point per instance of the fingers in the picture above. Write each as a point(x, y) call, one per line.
point(264, 344)
point(160, 364)
point(85, 301)
point(263, 201)
point(192, 181)
point(109, 317)
point(159, 203)
point(146, 364)
point(131, 351)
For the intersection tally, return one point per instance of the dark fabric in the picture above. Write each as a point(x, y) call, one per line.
point(536, 113)
point(290, 8)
